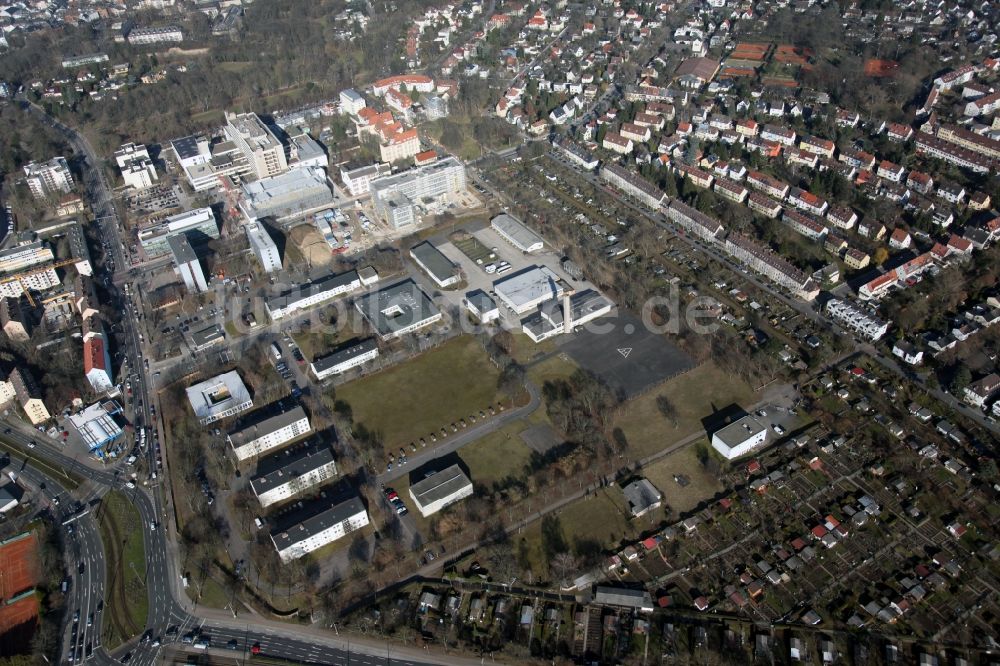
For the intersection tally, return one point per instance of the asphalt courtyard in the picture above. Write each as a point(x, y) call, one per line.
point(629, 357)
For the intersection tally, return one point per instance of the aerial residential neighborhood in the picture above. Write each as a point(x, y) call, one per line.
point(620, 332)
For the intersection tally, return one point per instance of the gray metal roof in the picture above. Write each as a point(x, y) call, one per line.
point(331, 282)
point(208, 335)
point(739, 431)
point(439, 485)
point(622, 596)
point(396, 307)
point(431, 260)
point(276, 470)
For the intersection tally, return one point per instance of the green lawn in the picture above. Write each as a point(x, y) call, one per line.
point(694, 395)
point(556, 367)
point(127, 599)
point(702, 486)
point(412, 399)
point(602, 517)
point(497, 455)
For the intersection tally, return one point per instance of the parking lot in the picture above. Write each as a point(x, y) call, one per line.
point(476, 276)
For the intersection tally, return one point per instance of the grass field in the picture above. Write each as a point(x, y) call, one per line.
point(602, 517)
point(497, 455)
point(409, 400)
point(694, 395)
point(703, 485)
point(127, 602)
point(556, 367)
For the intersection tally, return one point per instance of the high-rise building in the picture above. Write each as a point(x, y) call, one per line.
point(187, 263)
point(258, 144)
point(263, 247)
point(52, 177)
point(396, 196)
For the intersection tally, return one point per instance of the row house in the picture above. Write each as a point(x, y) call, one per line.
point(617, 143)
point(783, 135)
point(853, 317)
point(899, 132)
point(747, 128)
point(955, 77)
point(855, 259)
point(804, 225)
point(983, 106)
point(817, 146)
point(694, 221)
point(731, 190)
point(841, 217)
point(649, 121)
point(637, 133)
point(800, 157)
point(764, 205)
point(834, 244)
point(807, 201)
point(901, 275)
point(696, 175)
point(858, 159)
point(919, 182)
point(633, 185)
point(764, 261)
point(890, 171)
point(970, 140)
point(847, 118)
point(928, 144)
point(768, 184)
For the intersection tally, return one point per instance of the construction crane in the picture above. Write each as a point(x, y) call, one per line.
point(232, 196)
point(20, 277)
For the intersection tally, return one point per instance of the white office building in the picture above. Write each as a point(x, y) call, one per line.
point(351, 101)
point(199, 225)
point(312, 294)
point(342, 360)
point(287, 196)
point(528, 289)
point(49, 178)
point(258, 144)
point(740, 437)
point(220, 397)
point(414, 188)
point(358, 181)
point(265, 434)
point(440, 489)
point(514, 232)
point(302, 534)
point(135, 165)
point(263, 247)
point(292, 471)
point(188, 264)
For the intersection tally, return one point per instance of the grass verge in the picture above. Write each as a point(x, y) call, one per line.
point(126, 600)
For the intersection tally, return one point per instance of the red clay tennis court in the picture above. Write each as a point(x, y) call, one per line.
point(18, 565)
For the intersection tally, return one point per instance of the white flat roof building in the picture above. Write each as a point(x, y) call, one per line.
point(358, 181)
point(514, 232)
point(269, 433)
point(263, 247)
point(528, 289)
point(440, 489)
point(305, 532)
point(96, 425)
point(481, 306)
point(739, 438)
point(287, 196)
point(219, 397)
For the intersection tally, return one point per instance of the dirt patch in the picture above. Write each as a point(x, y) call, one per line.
point(310, 243)
point(880, 68)
point(540, 438)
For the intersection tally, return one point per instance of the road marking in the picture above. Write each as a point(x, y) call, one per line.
point(624, 351)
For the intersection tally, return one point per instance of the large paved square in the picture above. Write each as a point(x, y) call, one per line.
point(629, 358)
